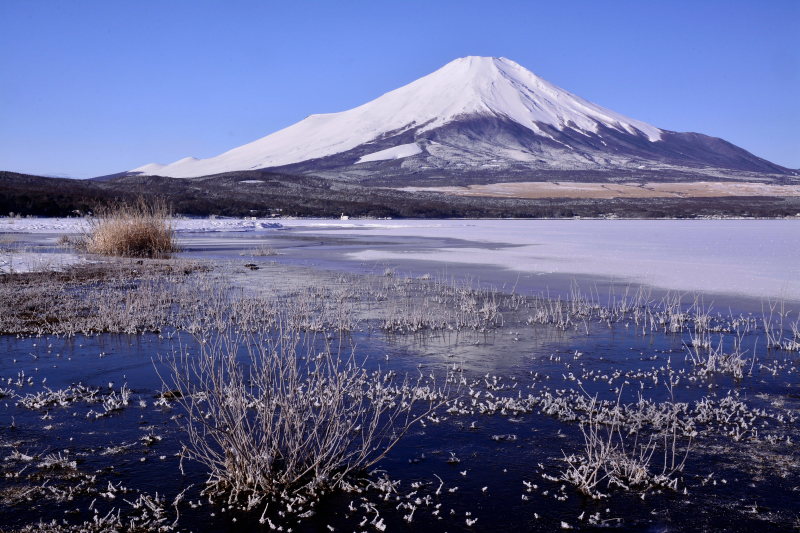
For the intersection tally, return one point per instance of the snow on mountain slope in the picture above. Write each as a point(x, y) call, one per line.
point(397, 152)
point(153, 169)
point(466, 87)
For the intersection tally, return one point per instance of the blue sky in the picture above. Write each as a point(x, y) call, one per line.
point(90, 88)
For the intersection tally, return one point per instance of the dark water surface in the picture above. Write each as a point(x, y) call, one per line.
point(501, 469)
point(725, 485)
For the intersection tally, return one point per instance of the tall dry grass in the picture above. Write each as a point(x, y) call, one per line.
point(141, 229)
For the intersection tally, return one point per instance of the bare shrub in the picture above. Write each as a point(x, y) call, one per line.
point(7, 252)
point(709, 360)
point(142, 229)
point(278, 413)
point(67, 241)
point(265, 251)
point(6, 240)
point(608, 456)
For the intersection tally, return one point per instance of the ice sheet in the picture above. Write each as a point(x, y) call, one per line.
point(755, 258)
point(18, 262)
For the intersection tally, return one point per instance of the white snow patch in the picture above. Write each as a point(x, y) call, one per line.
point(181, 225)
point(11, 262)
point(153, 169)
point(397, 152)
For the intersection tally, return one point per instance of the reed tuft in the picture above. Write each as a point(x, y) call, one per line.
point(141, 229)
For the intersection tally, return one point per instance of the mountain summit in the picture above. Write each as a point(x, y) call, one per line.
point(476, 116)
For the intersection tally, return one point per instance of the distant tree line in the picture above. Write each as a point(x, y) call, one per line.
point(306, 196)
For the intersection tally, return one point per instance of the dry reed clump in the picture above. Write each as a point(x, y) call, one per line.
point(142, 229)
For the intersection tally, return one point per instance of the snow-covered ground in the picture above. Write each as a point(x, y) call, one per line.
point(17, 261)
point(397, 152)
point(753, 258)
point(190, 225)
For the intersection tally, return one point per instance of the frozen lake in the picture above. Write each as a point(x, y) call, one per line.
point(752, 259)
point(501, 454)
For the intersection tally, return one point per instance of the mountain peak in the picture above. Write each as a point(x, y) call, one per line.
point(505, 88)
point(514, 114)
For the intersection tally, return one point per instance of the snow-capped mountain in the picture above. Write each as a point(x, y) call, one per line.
point(475, 115)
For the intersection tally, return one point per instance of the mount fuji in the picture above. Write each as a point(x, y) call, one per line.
point(477, 118)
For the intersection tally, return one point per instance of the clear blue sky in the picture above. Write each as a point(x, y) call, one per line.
point(94, 87)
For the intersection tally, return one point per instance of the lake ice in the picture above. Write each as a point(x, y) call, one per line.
point(750, 258)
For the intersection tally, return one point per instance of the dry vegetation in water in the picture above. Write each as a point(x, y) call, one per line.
point(143, 228)
point(277, 415)
point(117, 296)
point(6, 252)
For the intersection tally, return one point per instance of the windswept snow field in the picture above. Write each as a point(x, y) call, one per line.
point(750, 258)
